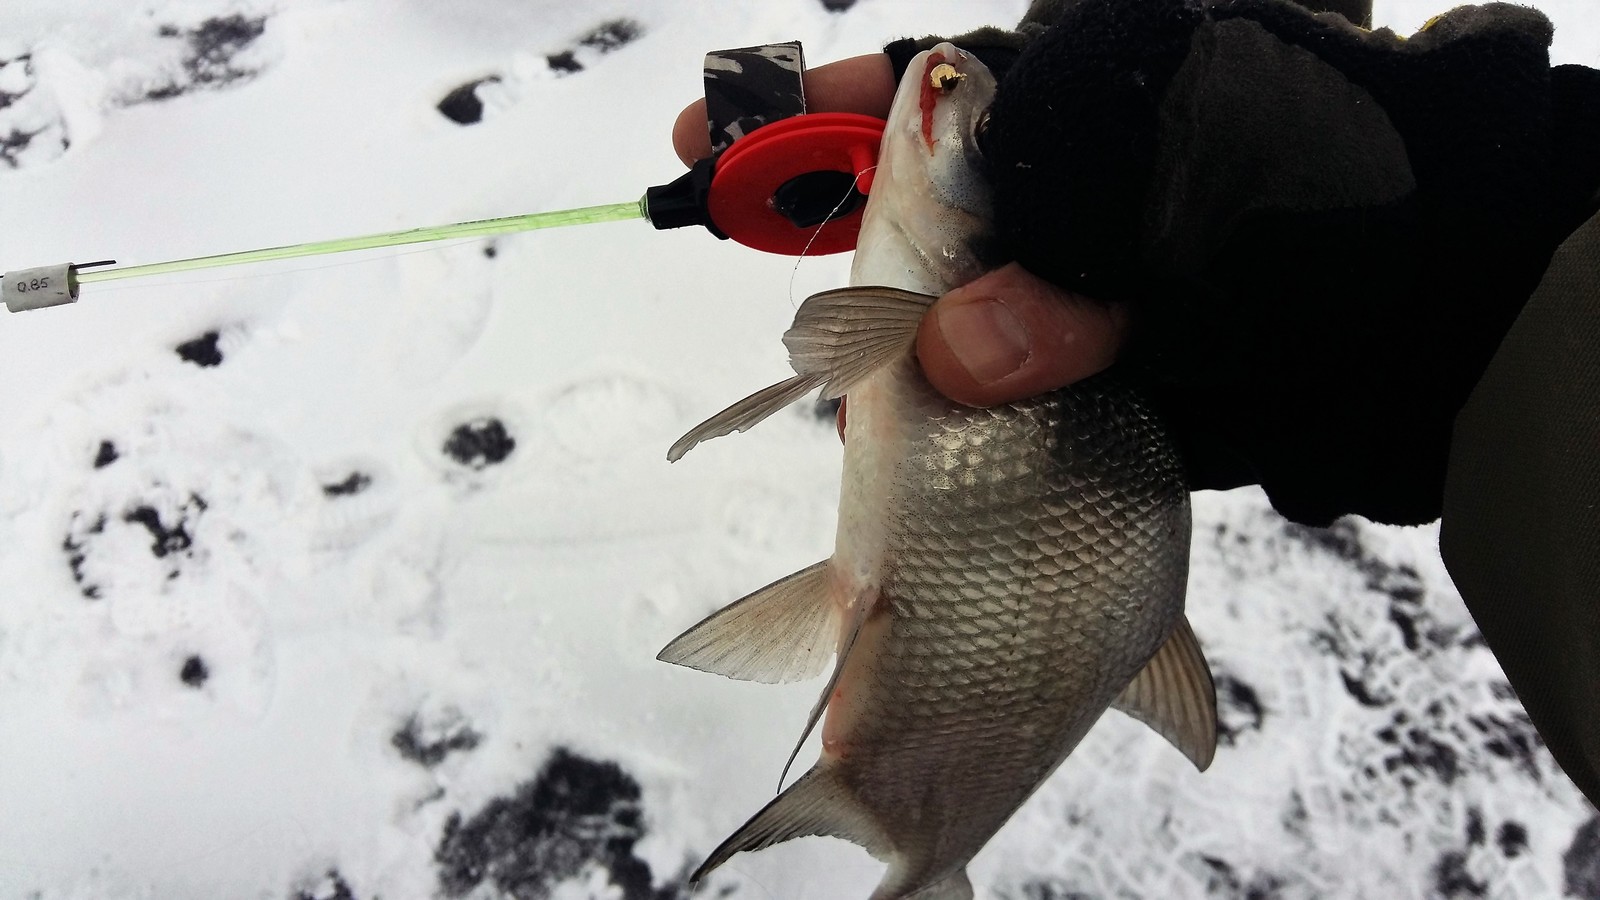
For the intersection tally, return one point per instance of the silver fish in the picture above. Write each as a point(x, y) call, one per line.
point(1001, 576)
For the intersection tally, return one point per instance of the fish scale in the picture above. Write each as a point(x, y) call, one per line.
point(1001, 576)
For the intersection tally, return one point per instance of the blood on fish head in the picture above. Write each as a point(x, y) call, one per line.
point(952, 109)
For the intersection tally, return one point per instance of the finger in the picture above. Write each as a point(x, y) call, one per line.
point(1010, 335)
point(860, 84)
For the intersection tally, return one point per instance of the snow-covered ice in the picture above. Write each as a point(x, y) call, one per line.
point(344, 578)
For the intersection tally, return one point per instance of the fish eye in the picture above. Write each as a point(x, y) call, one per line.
point(981, 130)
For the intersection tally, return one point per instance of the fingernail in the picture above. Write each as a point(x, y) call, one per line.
point(986, 338)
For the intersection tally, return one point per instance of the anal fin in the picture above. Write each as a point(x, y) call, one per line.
point(1174, 695)
point(783, 632)
point(817, 804)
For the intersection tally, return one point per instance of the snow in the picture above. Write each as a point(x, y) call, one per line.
point(344, 578)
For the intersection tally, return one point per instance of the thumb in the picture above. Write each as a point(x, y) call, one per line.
point(1010, 335)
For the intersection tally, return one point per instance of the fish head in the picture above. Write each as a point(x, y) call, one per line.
point(954, 91)
point(930, 208)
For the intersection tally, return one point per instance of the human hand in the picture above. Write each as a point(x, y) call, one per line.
point(1003, 337)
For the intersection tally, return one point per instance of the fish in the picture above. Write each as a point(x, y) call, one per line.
point(1000, 577)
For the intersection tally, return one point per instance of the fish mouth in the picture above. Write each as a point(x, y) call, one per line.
point(939, 77)
point(944, 77)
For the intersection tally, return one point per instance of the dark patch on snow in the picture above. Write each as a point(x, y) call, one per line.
point(1295, 815)
point(24, 60)
point(1364, 695)
point(480, 443)
point(171, 536)
point(1511, 738)
point(1052, 890)
point(209, 61)
point(428, 745)
point(837, 5)
point(1451, 878)
point(575, 814)
point(1475, 832)
point(202, 351)
point(165, 539)
point(612, 35)
point(1222, 879)
point(194, 672)
point(1340, 539)
point(565, 62)
point(1512, 839)
point(1239, 708)
point(1411, 750)
point(1581, 862)
point(1401, 583)
point(106, 455)
point(601, 39)
point(15, 140)
point(1360, 669)
point(75, 546)
point(353, 484)
point(331, 886)
point(490, 250)
point(463, 106)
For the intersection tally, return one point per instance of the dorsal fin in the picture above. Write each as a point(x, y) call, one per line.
point(1174, 695)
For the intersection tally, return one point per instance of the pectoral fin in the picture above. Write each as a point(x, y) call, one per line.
point(849, 333)
point(838, 338)
point(746, 413)
point(784, 632)
point(1174, 695)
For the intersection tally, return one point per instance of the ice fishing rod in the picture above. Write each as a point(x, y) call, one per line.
point(779, 179)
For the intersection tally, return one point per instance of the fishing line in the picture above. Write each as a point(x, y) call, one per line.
point(793, 273)
point(376, 257)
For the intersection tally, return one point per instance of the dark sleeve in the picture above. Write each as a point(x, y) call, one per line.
point(1521, 529)
point(1322, 232)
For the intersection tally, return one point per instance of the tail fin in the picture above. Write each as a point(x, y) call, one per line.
point(817, 804)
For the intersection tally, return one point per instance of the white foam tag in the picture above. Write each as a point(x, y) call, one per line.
point(39, 288)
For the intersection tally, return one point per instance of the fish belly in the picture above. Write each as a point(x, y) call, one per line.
point(1028, 567)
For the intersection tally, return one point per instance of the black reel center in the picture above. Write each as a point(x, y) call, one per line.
point(813, 198)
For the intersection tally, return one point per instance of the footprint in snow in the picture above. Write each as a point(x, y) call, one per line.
point(359, 501)
point(219, 52)
point(612, 416)
point(577, 817)
point(475, 445)
point(475, 100)
point(33, 130)
point(438, 311)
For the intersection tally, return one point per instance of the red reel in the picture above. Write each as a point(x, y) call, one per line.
point(755, 169)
